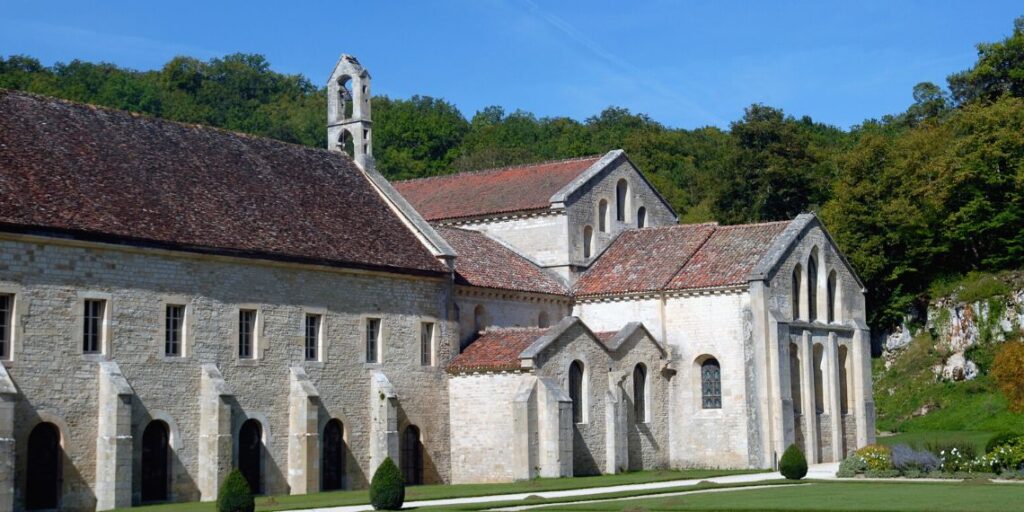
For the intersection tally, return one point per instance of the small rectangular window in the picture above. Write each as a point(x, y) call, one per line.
point(246, 333)
point(6, 307)
point(92, 326)
point(174, 330)
point(427, 344)
point(372, 340)
point(312, 337)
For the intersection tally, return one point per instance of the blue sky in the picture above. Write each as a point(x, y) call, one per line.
point(686, 64)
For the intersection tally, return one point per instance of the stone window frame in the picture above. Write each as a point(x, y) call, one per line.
point(258, 345)
point(14, 324)
point(602, 219)
point(647, 382)
point(434, 337)
point(382, 334)
point(584, 387)
point(106, 345)
point(623, 201)
point(187, 328)
point(698, 385)
point(321, 342)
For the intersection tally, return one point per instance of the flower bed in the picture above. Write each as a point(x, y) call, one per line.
point(950, 460)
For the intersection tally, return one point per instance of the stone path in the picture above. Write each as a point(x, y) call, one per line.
point(817, 471)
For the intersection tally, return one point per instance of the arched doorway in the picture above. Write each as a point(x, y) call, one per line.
point(332, 459)
point(250, 454)
point(412, 456)
point(155, 461)
point(43, 471)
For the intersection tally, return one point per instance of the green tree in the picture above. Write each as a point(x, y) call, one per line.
point(999, 70)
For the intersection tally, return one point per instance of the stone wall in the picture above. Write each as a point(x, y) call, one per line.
point(60, 385)
point(612, 315)
point(541, 238)
point(483, 426)
point(505, 309)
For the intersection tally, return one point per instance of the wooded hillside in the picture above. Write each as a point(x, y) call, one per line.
point(932, 192)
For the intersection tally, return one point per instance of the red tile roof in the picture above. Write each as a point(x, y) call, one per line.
point(495, 350)
point(480, 193)
point(641, 260)
point(728, 257)
point(99, 174)
point(484, 262)
point(678, 258)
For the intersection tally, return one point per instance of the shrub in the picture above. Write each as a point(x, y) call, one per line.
point(793, 465)
point(1007, 457)
point(999, 440)
point(1008, 371)
point(905, 458)
point(387, 489)
point(852, 466)
point(234, 494)
point(877, 457)
point(966, 449)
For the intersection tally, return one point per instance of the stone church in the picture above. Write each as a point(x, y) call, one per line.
point(178, 300)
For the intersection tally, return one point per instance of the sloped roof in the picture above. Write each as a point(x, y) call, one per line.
point(105, 175)
point(487, 263)
point(641, 260)
point(496, 350)
point(679, 258)
point(493, 191)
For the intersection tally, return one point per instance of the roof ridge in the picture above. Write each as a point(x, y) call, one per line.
point(505, 168)
point(156, 119)
point(751, 224)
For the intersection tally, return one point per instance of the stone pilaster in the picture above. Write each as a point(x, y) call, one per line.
point(554, 419)
point(807, 394)
point(8, 398)
point(524, 421)
point(833, 406)
point(863, 401)
point(303, 434)
point(616, 443)
point(215, 441)
point(113, 486)
point(383, 421)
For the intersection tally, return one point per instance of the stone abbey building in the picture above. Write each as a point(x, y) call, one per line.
point(178, 300)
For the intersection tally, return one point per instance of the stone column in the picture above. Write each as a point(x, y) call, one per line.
point(383, 421)
point(616, 442)
point(807, 396)
point(524, 424)
point(833, 406)
point(113, 485)
point(554, 426)
point(864, 404)
point(8, 399)
point(303, 433)
point(215, 440)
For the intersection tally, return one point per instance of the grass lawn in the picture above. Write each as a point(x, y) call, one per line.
point(434, 492)
point(918, 439)
point(822, 496)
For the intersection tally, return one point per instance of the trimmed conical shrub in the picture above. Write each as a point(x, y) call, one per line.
point(793, 464)
point(387, 489)
point(234, 494)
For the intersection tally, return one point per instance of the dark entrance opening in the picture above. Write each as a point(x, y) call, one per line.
point(250, 454)
point(333, 456)
point(155, 461)
point(412, 456)
point(44, 467)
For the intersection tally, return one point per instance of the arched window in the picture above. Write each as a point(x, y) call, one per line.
point(641, 217)
point(796, 292)
point(602, 216)
point(812, 286)
point(640, 393)
point(819, 375)
point(412, 456)
point(794, 378)
point(576, 392)
point(621, 200)
point(588, 241)
point(479, 318)
point(711, 384)
point(332, 458)
point(250, 454)
point(43, 467)
point(156, 461)
point(543, 321)
point(844, 380)
point(833, 313)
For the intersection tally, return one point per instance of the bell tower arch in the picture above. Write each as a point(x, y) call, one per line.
point(349, 125)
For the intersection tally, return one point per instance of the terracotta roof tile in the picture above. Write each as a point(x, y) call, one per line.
point(728, 257)
point(484, 262)
point(509, 189)
point(100, 174)
point(641, 260)
point(495, 350)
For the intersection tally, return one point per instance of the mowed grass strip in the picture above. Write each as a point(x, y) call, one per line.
point(835, 496)
point(437, 492)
